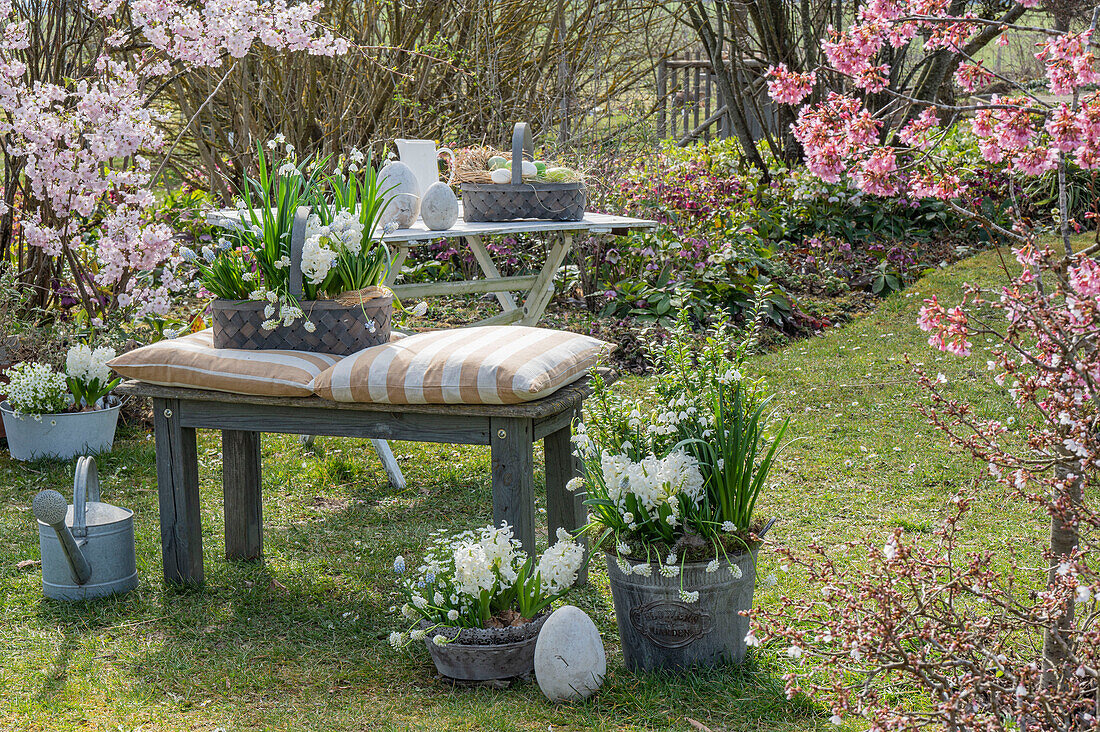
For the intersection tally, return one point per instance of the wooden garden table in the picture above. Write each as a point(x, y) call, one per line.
point(538, 288)
point(510, 431)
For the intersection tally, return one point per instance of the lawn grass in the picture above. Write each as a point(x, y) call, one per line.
point(299, 641)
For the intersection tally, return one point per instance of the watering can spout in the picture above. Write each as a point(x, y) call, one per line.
point(50, 508)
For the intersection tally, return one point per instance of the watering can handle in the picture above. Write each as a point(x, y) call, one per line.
point(85, 489)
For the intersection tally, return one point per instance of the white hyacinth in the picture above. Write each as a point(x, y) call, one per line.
point(473, 572)
point(85, 364)
point(560, 563)
point(317, 260)
point(653, 481)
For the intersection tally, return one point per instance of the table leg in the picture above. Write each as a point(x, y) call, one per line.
point(513, 464)
point(178, 491)
point(489, 269)
point(563, 509)
point(241, 487)
point(385, 454)
point(539, 296)
point(397, 263)
point(389, 463)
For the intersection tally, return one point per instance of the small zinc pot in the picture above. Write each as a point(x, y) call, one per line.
point(60, 436)
point(659, 630)
point(484, 654)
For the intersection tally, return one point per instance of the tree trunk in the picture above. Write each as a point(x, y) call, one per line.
point(1064, 539)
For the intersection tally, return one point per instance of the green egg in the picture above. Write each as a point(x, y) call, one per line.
point(497, 161)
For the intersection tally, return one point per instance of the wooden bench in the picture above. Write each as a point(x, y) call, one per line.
point(509, 430)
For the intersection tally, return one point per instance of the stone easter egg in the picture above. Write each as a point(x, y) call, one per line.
point(570, 662)
point(439, 207)
point(397, 182)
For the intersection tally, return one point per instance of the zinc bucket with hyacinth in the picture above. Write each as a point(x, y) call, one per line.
point(49, 414)
point(303, 270)
point(478, 601)
point(671, 493)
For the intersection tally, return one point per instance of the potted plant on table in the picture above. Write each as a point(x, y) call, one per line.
point(478, 601)
point(302, 269)
point(671, 492)
point(61, 415)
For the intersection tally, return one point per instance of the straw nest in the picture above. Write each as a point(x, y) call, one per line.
point(471, 164)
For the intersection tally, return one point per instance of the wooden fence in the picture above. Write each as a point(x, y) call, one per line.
point(691, 105)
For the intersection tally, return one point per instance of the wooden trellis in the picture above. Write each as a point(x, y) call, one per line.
point(691, 106)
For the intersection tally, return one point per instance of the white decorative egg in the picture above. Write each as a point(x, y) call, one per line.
point(396, 181)
point(439, 207)
point(501, 175)
point(570, 662)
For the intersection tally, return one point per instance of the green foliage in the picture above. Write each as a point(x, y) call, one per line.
point(703, 408)
point(254, 259)
point(723, 233)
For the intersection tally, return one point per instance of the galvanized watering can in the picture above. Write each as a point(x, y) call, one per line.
point(88, 547)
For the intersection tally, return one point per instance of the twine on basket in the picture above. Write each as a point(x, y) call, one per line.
point(359, 297)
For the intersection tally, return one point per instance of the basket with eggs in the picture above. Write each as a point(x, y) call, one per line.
point(521, 188)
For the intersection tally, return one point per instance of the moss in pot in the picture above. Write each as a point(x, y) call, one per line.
point(477, 601)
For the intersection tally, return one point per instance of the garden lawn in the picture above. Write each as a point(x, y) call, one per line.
point(299, 641)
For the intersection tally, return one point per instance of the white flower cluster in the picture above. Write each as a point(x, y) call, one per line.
point(86, 365)
point(493, 557)
point(654, 482)
point(344, 231)
point(560, 563)
point(463, 575)
point(35, 389)
point(279, 310)
point(317, 259)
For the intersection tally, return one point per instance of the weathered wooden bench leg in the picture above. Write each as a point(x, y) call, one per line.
point(241, 487)
point(563, 509)
point(513, 463)
point(178, 489)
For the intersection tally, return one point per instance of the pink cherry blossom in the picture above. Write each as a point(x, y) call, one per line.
point(789, 87)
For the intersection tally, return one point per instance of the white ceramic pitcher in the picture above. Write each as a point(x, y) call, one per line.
point(423, 158)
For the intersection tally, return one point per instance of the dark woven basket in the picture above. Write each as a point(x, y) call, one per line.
point(340, 329)
point(519, 199)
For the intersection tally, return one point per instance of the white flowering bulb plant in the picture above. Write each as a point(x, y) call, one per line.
point(676, 474)
point(340, 253)
point(483, 579)
point(88, 375)
point(37, 388)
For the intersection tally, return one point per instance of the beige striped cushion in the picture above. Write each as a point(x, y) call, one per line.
point(192, 361)
point(502, 364)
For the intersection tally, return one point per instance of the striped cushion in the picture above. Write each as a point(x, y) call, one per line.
point(502, 364)
point(192, 361)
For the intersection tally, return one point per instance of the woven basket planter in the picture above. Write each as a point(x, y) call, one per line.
point(520, 199)
point(340, 328)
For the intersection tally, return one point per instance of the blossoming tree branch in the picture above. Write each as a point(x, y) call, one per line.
point(85, 144)
point(960, 624)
